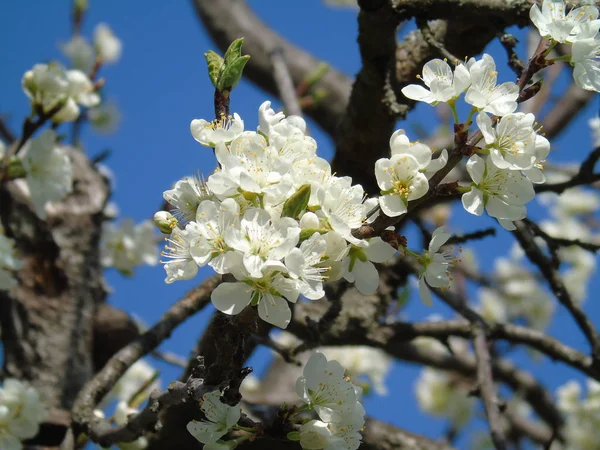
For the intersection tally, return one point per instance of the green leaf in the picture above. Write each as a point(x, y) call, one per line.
point(297, 203)
point(231, 74)
point(234, 51)
point(307, 233)
point(293, 436)
point(215, 63)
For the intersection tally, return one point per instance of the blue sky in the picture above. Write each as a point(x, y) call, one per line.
point(160, 85)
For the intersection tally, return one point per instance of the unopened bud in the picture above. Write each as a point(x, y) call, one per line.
point(309, 220)
point(165, 221)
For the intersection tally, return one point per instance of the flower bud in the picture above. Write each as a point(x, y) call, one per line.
point(165, 221)
point(309, 220)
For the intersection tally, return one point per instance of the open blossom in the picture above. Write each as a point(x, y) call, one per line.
point(325, 389)
point(268, 293)
point(484, 94)
point(594, 124)
point(9, 262)
point(80, 53)
point(552, 21)
point(21, 413)
point(219, 131)
point(439, 395)
point(186, 196)
point(179, 263)
point(46, 85)
point(108, 47)
point(105, 118)
point(444, 84)
point(134, 378)
point(343, 206)
point(49, 172)
point(582, 414)
point(436, 265)
point(586, 64)
point(220, 419)
point(513, 143)
point(341, 435)
point(128, 246)
point(503, 193)
point(359, 267)
point(303, 264)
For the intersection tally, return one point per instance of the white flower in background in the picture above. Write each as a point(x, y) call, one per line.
point(21, 413)
point(503, 193)
point(220, 131)
point(484, 94)
point(80, 91)
point(341, 435)
point(493, 308)
point(303, 266)
point(220, 419)
point(108, 47)
point(512, 144)
point(262, 241)
point(9, 262)
point(444, 84)
point(128, 246)
point(179, 263)
point(49, 171)
point(122, 412)
point(436, 265)
point(349, 3)
point(269, 293)
point(572, 202)
point(438, 394)
point(105, 118)
point(46, 85)
point(186, 196)
point(552, 22)
point(80, 53)
point(594, 124)
point(212, 223)
point(362, 362)
point(139, 374)
point(325, 389)
point(359, 267)
point(400, 181)
point(585, 59)
point(582, 414)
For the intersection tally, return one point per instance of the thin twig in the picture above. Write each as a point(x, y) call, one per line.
point(284, 82)
point(5, 132)
point(171, 358)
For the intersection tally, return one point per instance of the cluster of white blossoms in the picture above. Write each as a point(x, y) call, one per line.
point(273, 216)
point(578, 28)
point(21, 413)
point(105, 49)
point(509, 160)
point(335, 399)
point(49, 174)
point(52, 88)
point(439, 394)
point(128, 245)
point(220, 419)
point(9, 262)
point(582, 427)
point(516, 295)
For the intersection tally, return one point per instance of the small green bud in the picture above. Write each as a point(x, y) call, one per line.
point(307, 233)
point(297, 203)
point(231, 74)
point(165, 222)
point(293, 435)
point(215, 64)
point(234, 51)
point(15, 169)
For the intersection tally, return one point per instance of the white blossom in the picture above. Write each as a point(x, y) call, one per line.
point(220, 419)
point(484, 94)
point(342, 205)
point(585, 59)
point(108, 47)
point(122, 412)
point(21, 413)
point(49, 171)
point(325, 389)
point(105, 118)
point(359, 267)
point(80, 53)
point(552, 22)
point(218, 131)
point(582, 414)
point(340, 435)
point(46, 85)
point(186, 196)
point(439, 395)
point(436, 265)
point(9, 262)
point(513, 144)
point(503, 193)
point(594, 124)
point(444, 84)
point(128, 246)
point(179, 263)
point(139, 374)
point(303, 266)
